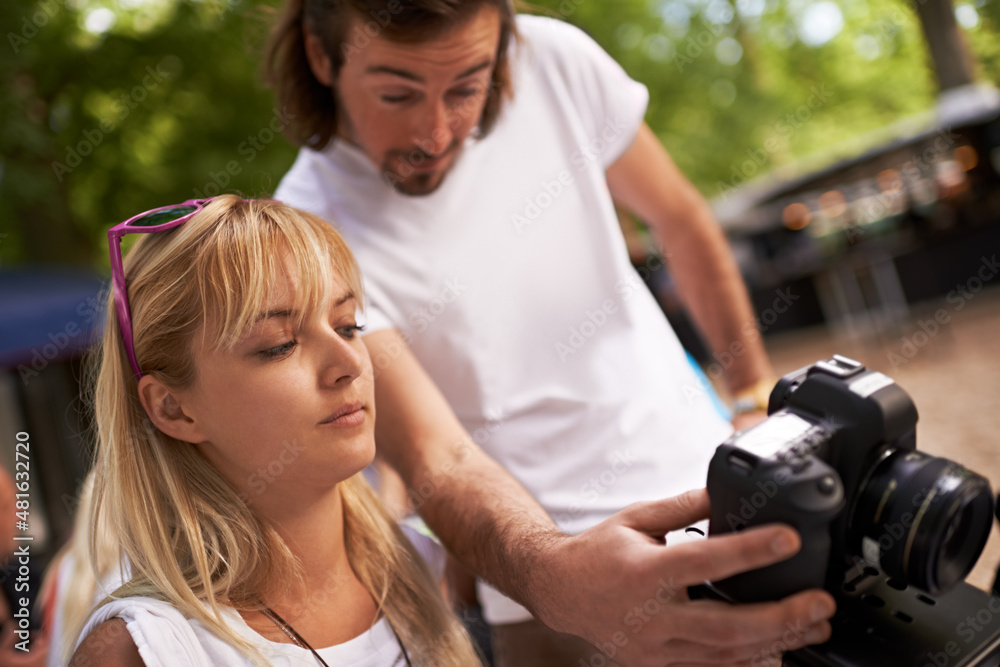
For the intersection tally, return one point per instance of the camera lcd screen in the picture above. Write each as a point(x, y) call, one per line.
point(773, 434)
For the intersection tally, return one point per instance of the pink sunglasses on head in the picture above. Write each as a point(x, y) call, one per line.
point(155, 220)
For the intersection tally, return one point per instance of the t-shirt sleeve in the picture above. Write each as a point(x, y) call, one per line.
point(609, 103)
point(161, 633)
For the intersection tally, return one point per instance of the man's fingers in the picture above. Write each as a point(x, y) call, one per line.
point(659, 517)
point(758, 653)
point(790, 623)
point(721, 556)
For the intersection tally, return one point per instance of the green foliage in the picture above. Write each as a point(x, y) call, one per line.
point(782, 100)
point(165, 105)
point(100, 121)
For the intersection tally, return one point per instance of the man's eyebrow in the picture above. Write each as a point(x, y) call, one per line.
point(406, 74)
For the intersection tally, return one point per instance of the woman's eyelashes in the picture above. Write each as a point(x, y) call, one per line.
point(278, 351)
point(347, 332)
point(350, 331)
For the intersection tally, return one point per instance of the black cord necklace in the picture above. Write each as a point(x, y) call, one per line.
point(299, 641)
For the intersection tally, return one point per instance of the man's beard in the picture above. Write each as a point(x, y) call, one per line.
point(398, 170)
point(397, 165)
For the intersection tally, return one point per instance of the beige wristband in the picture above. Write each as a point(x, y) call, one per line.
point(755, 397)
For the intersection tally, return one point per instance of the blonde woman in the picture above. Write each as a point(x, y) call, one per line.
point(234, 402)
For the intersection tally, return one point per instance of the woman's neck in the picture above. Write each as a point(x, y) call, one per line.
point(329, 604)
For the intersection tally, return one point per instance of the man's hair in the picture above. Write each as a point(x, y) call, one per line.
point(312, 105)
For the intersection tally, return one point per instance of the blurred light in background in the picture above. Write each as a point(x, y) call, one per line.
point(728, 51)
point(796, 216)
point(967, 16)
point(967, 157)
point(99, 21)
point(833, 204)
point(867, 47)
point(820, 23)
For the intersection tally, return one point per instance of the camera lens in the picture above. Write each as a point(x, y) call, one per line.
point(923, 519)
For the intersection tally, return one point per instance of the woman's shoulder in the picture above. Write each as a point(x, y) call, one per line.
point(109, 643)
point(157, 631)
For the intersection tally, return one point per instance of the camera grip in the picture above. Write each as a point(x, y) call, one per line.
point(805, 494)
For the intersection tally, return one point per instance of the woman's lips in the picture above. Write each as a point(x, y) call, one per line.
point(352, 415)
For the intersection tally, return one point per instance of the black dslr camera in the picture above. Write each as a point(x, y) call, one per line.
point(836, 459)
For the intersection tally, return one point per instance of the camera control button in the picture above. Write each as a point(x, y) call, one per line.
point(798, 464)
point(827, 485)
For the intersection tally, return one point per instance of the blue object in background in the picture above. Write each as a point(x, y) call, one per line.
point(709, 389)
point(48, 314)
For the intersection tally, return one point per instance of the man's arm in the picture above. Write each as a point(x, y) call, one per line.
point(647, 182)
point(616, 585)
point(481, 513)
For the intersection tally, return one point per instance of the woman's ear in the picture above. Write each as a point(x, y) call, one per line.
point(319, 61)
point(166, 410)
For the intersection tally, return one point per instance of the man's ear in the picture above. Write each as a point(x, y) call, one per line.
point(167, 411)
point(319, 62)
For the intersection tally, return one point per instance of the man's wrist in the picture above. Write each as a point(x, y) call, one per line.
point(545, 570)
point(755, 397)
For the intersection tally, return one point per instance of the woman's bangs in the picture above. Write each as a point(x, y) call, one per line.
point(255, 251)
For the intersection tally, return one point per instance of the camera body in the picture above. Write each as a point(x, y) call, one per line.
point(836, 459)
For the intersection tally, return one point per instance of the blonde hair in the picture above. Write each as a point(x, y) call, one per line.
point(188, 536)
point(74, 602)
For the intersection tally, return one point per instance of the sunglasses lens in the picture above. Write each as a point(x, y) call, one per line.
point(163, 217)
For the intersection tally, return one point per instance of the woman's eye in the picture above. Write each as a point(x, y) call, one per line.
point(350, 331)
point(277, 351)
point(395, 99)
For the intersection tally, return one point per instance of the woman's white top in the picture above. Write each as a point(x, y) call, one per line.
point(167, 638)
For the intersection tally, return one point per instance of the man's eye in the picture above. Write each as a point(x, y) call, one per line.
point(278, 351)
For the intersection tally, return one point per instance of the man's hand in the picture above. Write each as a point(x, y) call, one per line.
point(615, 585)
point(618, 586)
point(745, 420)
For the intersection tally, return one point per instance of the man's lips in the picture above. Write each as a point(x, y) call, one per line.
point(428, 163)
point(419, 160)
point(351, 414)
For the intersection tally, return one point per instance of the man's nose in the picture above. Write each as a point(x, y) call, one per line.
point(434, 133)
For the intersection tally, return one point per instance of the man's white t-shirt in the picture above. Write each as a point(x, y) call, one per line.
point(513, 287)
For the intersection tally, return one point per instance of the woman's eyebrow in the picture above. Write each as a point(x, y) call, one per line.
point(285, 313)
point(278, 313)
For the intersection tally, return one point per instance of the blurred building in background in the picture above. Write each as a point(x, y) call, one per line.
point(856, 242)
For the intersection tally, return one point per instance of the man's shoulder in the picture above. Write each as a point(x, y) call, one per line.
point(550, 42)
point(549, 32)
point(303, 185)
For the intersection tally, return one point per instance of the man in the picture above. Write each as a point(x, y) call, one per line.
point(472, 160)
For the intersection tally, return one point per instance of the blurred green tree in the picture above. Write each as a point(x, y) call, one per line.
point(114, 106)
point(113, 112)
